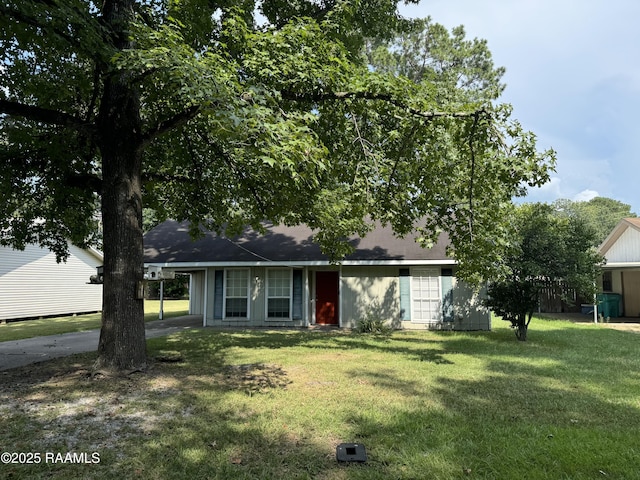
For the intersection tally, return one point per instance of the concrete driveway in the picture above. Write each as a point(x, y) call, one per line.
point(18, 353)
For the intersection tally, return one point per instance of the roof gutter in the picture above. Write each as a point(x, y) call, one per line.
point(300, 263)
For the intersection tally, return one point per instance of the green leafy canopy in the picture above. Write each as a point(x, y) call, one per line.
point(232, 113)
point(548, 248)
point(333, 114)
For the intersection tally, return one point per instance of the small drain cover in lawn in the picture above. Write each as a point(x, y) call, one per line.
point(351, 452)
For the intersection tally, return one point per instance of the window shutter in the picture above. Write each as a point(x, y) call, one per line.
point(447, 294)
point(297, 295)
point(218, 294)
point(405, 294)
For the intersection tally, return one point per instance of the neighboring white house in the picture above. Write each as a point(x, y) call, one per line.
point(282, 279)
point(33, 284)
point(621, 275)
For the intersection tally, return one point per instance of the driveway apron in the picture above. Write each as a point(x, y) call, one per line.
point(18, 353)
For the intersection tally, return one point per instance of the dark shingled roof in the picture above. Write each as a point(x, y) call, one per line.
point(170, 242)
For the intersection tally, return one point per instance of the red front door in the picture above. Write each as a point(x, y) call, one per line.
point(327, 298)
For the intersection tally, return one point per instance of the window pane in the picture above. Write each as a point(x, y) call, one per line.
point(236, 307)
point(278, 293)
point(237, 283)
point(278, 308)
point(236, 293)
point(425, 289)
point(279, 283)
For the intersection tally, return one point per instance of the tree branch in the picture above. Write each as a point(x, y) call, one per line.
point(95, 93)
point(34, 21)
point(170, 124)
point(44, 115)
point(385, 97)
point(84, 181)
point(472, 152)
point(397, 162)
point(143, 75)
point(243, 178)
point(164, 177)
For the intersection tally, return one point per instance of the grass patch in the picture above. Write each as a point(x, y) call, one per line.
point(78, 323)
point(253, 404)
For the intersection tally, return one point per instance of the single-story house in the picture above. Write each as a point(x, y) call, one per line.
point(282, 278)
point(621, 272)
point(33, 284)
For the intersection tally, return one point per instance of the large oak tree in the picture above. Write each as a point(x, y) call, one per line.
point(231, 113)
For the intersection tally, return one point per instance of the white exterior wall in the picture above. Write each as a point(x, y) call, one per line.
point(616, 282)
point(376, 291)
point(364, 291)
point(468, 311)
point(196, 293)
point(369, 291)
point(626, 248)
point(33, 284)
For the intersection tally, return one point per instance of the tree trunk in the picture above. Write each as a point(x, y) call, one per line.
point(521, 328)
point(122, 337)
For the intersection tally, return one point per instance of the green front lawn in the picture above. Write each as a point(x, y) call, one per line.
point(256, 404)
point(53, 326)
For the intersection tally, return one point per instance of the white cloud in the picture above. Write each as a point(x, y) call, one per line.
point(550, 191)
point(585, 196)
point(553, 186)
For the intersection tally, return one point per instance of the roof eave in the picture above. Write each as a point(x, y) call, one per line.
point(301, 263)
point(620, 265)
point(615, 234)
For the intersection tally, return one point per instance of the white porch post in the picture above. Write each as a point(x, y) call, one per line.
point(340, 320)
point(161, 313)
point(595, 307)
point(206, 296)
point(306, 298)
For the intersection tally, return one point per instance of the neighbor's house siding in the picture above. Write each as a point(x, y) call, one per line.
point(33, 284)
point(616, 282)
point(631, 293)
point(622, 252)
point(626, 248)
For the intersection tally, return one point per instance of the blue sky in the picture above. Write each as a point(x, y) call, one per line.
point(573, 78)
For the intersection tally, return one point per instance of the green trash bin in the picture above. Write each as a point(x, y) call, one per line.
point(609, 304)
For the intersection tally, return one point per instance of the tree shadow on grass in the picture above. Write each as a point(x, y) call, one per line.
point(561, 346)
point(214, 416)
point(211, 346)
point(161, 424)
point(522, 420)
point(557, 437)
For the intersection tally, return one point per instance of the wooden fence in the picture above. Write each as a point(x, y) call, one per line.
point(559, 297)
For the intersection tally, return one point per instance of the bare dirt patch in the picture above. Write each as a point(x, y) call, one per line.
point(74, 410)
point(68, 407)
point(627, 324)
